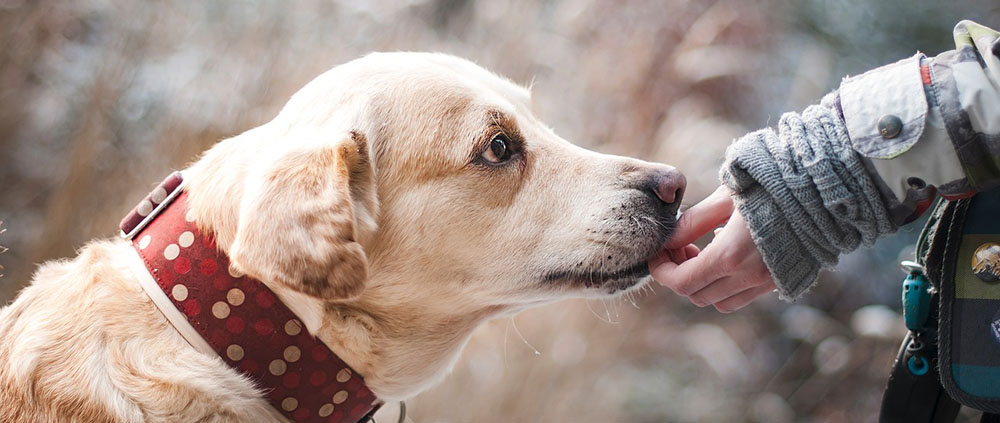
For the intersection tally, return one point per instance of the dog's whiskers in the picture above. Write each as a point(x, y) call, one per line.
point(631, 299)
point(656, 222)
point(518, 331)
point(598, 316)
point(608, 311)
point(506, 330)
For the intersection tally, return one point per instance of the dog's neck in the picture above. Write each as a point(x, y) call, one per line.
point(402, 342)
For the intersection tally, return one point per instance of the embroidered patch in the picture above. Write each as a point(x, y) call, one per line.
point(986, 262)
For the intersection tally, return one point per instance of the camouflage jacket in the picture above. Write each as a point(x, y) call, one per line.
point(870, 157)
point(930, 125)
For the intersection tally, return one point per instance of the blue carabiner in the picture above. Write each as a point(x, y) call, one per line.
point(916, 297)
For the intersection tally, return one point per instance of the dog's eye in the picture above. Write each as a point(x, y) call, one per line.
point(498, 151)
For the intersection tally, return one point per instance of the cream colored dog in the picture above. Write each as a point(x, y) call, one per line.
point(396, 203)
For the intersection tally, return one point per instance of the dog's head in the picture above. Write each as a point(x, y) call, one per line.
point(427, 173)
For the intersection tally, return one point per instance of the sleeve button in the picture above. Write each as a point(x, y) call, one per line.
point(889, 126)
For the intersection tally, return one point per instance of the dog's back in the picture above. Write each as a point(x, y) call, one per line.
point(51, 344)
point(82, 343)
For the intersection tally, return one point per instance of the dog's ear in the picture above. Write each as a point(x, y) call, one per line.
point(301, 217)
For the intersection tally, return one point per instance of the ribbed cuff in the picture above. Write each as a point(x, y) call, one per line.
point(793, 270)
point(806, 196)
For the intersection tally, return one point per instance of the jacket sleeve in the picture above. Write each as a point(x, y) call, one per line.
point(949, 110)
point(870, 157)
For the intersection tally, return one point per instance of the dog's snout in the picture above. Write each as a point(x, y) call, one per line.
point(667, 184)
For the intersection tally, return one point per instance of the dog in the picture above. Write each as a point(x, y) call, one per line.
point(394, 204)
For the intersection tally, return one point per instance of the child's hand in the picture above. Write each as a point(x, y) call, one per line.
point(729, 273)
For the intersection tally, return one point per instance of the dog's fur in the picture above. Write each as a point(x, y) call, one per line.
point(368, 207)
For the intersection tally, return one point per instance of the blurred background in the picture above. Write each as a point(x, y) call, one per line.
point(100, 99)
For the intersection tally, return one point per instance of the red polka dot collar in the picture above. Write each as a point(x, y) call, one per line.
point(238, 318)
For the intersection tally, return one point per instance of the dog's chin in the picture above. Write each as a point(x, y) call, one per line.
point(604, 283)
point(600, 281)
point(615, 288)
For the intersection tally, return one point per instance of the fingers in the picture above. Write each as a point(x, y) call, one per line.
point(681, 255)
point(688, 277)
point(691, 250)
point(740, 300)
point(724, 288)
point(676, 256)
point(728, 274)
point(702, 218)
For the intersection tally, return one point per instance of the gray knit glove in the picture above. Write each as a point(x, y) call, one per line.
point(805, 194)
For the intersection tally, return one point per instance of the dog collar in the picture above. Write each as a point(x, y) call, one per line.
point(237, 317)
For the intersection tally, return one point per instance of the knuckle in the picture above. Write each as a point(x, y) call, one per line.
point(675, 287)
point(685, 289)
point(729, 260)
point(683, 225)
point(751, 281)
point(664, 281)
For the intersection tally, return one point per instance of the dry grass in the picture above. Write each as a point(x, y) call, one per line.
point(101, 98)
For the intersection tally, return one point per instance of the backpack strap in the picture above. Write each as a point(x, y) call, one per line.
point(914, 393)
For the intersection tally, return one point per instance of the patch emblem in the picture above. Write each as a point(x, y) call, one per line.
point(986, 262)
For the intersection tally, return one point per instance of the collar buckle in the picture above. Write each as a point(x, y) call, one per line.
point(149, 207)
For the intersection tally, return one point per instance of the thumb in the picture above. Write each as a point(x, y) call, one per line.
point(701, 218)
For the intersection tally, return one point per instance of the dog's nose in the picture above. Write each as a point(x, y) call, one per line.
point(667, 183)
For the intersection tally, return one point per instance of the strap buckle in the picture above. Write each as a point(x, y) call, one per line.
point(149, 207)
